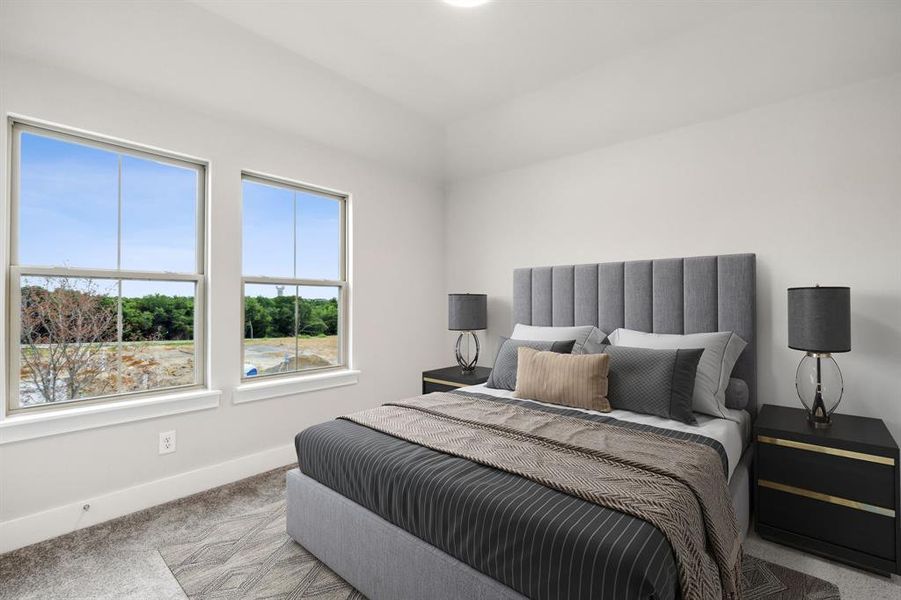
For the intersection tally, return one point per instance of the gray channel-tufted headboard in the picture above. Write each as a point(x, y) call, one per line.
point(672, 295)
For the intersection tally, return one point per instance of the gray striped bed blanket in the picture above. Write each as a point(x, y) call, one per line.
point(553, 502)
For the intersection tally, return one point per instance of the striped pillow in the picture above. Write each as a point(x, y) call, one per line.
point(573, 380)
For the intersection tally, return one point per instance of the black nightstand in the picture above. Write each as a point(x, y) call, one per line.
point(833, 492)
point(451, 378)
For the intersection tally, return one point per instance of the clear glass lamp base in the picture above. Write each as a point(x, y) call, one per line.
point(819, 384)
point(467, 363)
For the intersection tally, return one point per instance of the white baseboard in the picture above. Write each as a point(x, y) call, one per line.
point(30, 529)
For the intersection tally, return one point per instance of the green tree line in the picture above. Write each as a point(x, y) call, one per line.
point(274, 317)
point(162, 317)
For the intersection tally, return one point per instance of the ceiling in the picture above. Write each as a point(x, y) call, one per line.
point(449, 93)
point(446, 62)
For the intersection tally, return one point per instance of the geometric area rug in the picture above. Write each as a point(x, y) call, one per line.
point(252, 557)
point(762, 580)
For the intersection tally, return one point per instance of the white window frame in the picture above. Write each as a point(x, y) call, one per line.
point(18, 125)
point(343, 199)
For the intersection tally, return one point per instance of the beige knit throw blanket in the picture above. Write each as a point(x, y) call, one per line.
point(676, 485)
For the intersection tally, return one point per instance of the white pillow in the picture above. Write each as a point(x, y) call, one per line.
point(721, 351)
point(589, 339)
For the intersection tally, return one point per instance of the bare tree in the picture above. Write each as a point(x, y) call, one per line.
point(66, 328)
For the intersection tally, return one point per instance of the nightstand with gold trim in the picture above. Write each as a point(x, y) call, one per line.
point(833, 492)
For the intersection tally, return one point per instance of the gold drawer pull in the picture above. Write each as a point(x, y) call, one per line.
point(789, 489)
point(874, 458)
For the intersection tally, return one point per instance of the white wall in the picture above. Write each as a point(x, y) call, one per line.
point(398, 286)
point(812, 185)
point(767, 52)
point(177, 50)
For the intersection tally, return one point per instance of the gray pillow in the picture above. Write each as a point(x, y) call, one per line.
point(653, 381)
point(588, 337)
point(593, 344)
point(737, 394)
point(721, 351)
point(503, 375)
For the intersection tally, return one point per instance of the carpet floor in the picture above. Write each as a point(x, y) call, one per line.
point(230, 542)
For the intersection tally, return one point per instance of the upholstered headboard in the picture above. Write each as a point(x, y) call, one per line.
point(673, 295)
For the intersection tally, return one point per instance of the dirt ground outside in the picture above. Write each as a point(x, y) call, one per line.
point(276, 355)
point(162, 364)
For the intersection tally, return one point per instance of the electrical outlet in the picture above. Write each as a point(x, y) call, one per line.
point(167, 442)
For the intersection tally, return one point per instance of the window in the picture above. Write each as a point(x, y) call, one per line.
point(106, 270)
point(295, 286)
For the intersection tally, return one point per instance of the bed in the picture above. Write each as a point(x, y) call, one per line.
point(399, 519)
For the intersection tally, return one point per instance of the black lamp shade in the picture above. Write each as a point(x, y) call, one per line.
point(819, 319)
point(467, 312)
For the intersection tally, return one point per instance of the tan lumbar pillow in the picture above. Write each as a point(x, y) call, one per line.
point(573, 380)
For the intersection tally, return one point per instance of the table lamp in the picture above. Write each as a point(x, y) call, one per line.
point(819, 323)
point(467, 313)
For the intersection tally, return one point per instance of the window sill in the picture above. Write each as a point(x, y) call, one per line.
point(281, 387)
point(78, 418)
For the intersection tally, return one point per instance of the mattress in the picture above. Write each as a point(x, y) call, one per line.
point(537, 541)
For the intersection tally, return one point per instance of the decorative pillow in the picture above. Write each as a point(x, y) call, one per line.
point(721, 351)
point(503, 375)
point(737, 394)
point(589, 339)
point(573, 380)
point(653, 382)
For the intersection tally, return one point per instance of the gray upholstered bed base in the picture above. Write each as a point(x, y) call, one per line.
point(378, 558)
point(385, 562)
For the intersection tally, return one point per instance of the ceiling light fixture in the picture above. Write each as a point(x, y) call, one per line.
point(465, 3)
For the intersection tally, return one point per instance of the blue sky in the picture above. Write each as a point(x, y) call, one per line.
point(270, 232)
point(68, 216)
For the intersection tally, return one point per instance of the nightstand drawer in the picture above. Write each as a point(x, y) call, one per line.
point(449, 379)
point(430, 386)
point(855, 476)
point(854, 528)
